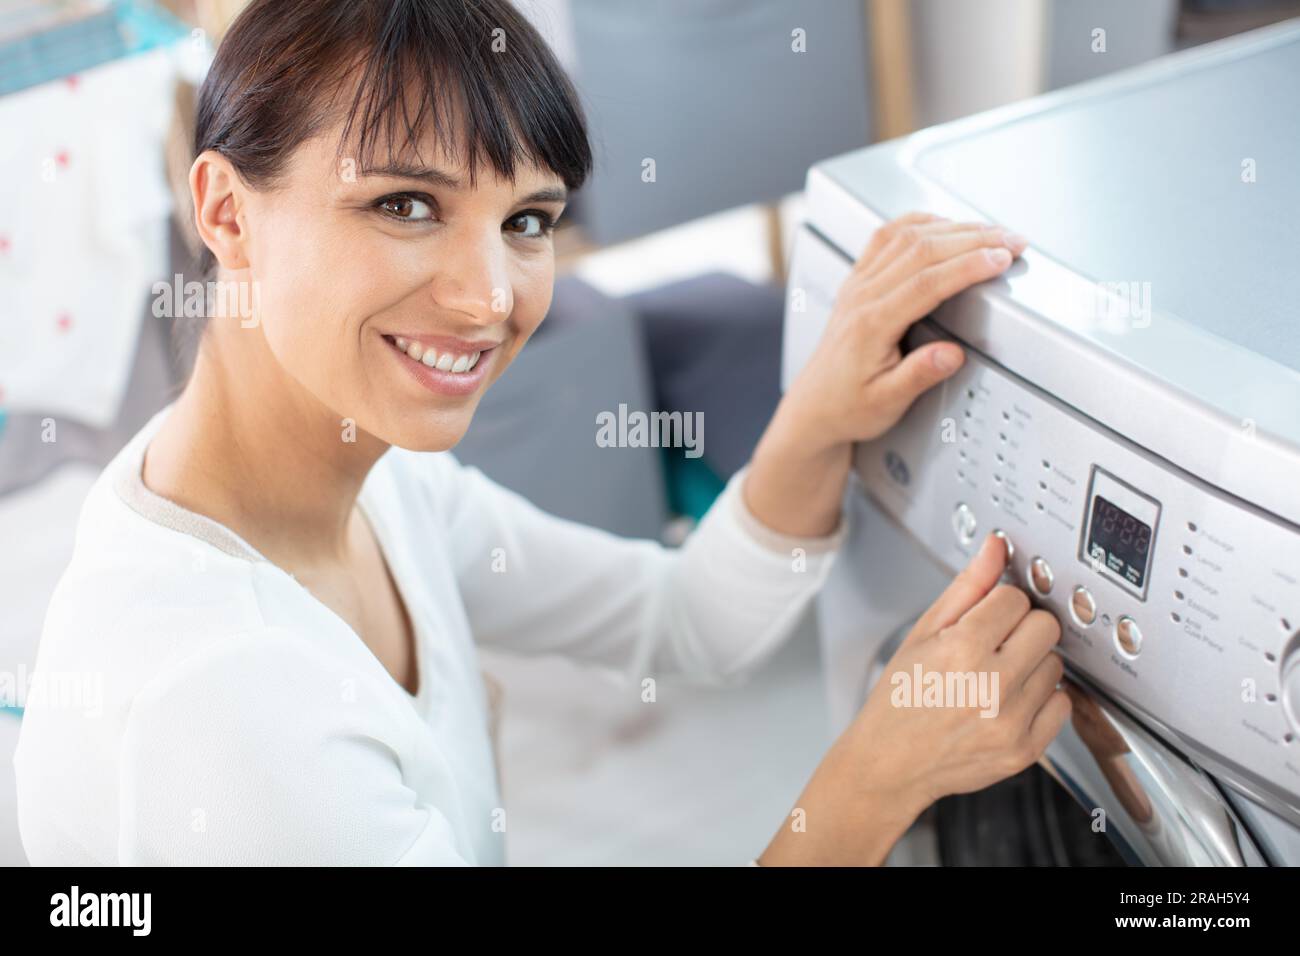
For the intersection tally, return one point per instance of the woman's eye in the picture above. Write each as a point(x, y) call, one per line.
point(407, 208)
point(530, 225)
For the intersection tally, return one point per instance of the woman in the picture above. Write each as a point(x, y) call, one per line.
point(276, 588)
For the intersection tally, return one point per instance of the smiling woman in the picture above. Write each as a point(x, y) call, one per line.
point(282, 578)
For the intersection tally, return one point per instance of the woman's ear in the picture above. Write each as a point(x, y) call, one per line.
point(218, 195)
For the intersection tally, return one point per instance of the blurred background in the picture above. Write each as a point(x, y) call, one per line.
point(669, 297)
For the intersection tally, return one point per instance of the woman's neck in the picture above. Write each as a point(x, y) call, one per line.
point(247, 446)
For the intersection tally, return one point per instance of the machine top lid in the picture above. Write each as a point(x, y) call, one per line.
point(1183, 193)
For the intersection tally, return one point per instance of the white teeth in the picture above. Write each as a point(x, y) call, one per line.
point(446, 362)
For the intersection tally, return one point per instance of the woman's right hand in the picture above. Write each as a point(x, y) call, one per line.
point(895, 760)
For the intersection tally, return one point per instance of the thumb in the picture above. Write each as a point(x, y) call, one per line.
point(968, 588)
point(919, 370)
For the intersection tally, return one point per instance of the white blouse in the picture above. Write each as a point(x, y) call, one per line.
point(193, 704)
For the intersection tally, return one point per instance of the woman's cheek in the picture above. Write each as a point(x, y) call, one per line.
point(533, 288)
point(305, 329)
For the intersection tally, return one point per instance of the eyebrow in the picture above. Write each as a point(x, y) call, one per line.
point(445, 180)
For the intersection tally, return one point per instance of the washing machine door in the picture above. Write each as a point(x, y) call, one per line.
point(1157, 808)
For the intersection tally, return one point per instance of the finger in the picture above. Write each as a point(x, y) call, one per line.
point(1032, 640)
point(1029, 696)
point(895, 390)
point(1049, 720)
point(905, 237)
point(966, 590)
point(922, 293)
point(932, 248)
point(995, 616)
point(884, 235)
point(1021, 701)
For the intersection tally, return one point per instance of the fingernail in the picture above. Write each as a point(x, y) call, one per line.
point(946, 359)
point(1015, 242)
point(998, 257)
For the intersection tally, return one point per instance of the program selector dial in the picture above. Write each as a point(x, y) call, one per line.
point(1291, 689)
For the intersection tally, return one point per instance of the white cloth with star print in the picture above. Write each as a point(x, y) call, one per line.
point(84, 203)
point(202, 707)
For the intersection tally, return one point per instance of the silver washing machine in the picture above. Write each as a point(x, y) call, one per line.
point(1129, 417)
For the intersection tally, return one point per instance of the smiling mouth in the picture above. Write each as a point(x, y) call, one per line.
point(451, 362)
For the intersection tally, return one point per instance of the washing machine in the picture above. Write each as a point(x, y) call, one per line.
point(1128, 417)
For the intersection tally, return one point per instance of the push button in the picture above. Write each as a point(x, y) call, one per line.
point(1040, 576)
point(963, 524)
point(1011, 548)
point(1083, 607)
point(1128, 636)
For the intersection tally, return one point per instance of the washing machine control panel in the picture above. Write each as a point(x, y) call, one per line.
point(1180, 601)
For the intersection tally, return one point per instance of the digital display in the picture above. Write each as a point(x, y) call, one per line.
point(1119, 541)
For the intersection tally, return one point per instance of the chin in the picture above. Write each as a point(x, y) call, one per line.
point(425, 430)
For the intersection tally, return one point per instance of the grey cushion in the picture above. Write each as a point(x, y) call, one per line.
point(715, 347)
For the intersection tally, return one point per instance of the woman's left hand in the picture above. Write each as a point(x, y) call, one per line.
point(858, 384)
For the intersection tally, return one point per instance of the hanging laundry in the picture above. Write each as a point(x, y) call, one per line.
point(84, 203)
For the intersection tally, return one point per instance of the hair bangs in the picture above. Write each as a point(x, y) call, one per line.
point(452, 69)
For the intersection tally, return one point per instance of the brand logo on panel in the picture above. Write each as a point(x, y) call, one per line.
point(897, 468)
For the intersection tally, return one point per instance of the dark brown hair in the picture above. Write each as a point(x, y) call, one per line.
point(277, 72)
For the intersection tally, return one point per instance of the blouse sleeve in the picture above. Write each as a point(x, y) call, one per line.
point(711, 610)
point(251, 755)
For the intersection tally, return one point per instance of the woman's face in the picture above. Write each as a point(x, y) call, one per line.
point(396, 295)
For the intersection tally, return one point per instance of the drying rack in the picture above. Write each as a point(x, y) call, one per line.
point(44, 40)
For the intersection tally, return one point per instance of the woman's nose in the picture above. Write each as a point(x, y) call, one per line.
point(472, 279)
